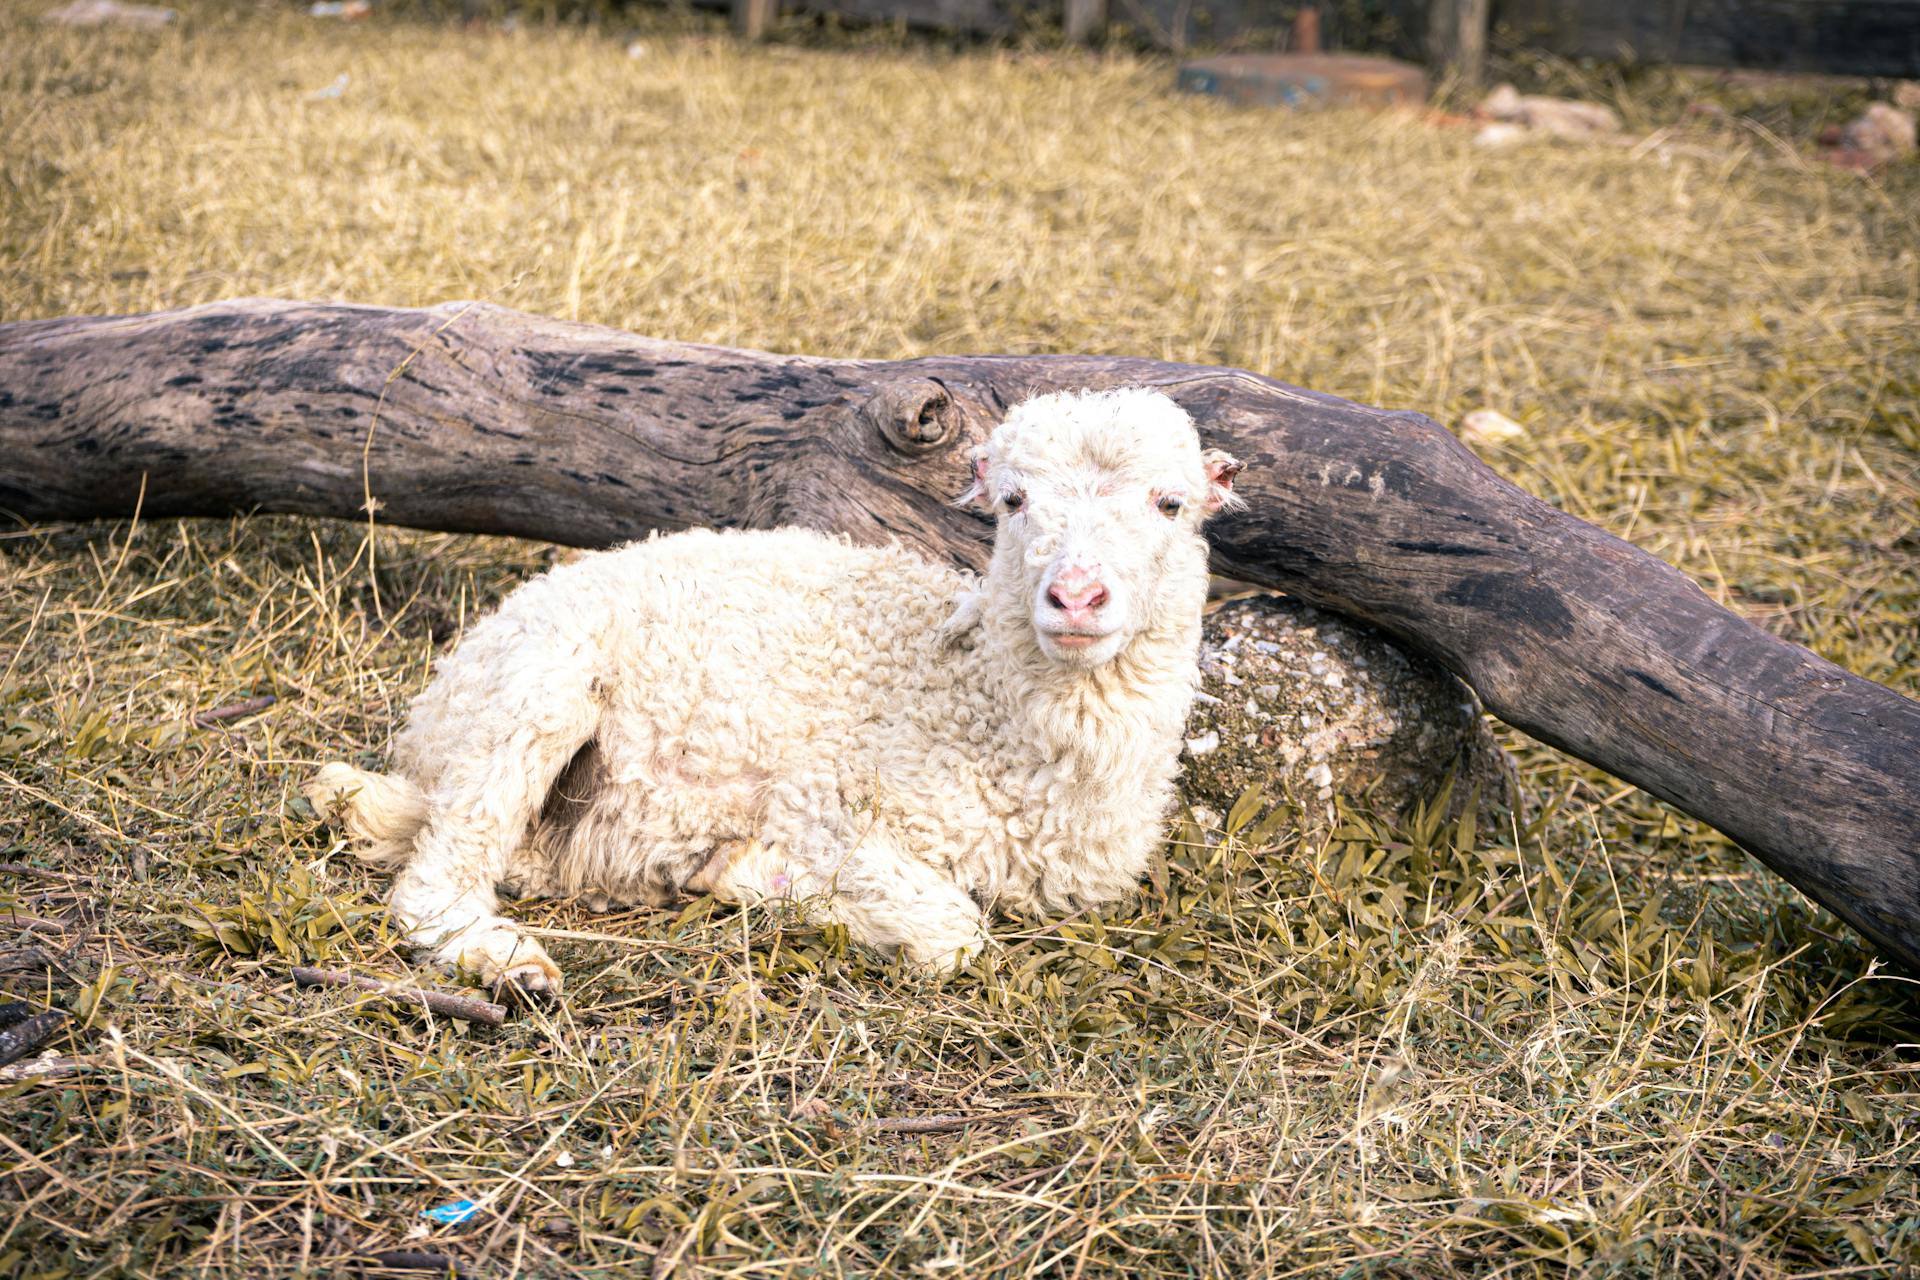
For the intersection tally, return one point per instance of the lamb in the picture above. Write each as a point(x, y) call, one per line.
point(783, 715)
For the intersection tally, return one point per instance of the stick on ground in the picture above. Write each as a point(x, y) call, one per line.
point(235, 710)
point(40, 1069)
point(445, 1003)
point(411, 1260)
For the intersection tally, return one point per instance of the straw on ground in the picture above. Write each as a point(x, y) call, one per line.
point(1590, 1035)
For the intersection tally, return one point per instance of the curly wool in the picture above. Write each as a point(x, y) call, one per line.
point(783, 714)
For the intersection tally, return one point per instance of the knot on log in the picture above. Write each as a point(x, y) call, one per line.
point(915, 416)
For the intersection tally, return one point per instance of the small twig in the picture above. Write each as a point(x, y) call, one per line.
point(938, 1124)
point(466, 1008)
point(30, 924)
point(23, 869)
point(235, 710)
point(27, 960)
point(40, 1068)
point(414, 1260)
point(22, 1038)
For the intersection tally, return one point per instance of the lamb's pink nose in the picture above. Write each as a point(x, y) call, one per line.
point(1077, 593)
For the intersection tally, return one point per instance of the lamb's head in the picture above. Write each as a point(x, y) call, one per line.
point(1100, 498)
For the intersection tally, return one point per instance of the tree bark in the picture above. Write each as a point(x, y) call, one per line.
point(473, 418)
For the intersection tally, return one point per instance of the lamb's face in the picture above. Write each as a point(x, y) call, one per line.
point(1100, 498)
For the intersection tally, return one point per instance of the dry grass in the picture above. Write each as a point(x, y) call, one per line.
point(1595, 1037)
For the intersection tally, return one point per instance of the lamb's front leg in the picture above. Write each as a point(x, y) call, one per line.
point(496, 770)
point(884, 896)
point(446, 902)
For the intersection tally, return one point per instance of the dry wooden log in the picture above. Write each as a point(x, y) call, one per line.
point(469, 417)
point(445, 1003)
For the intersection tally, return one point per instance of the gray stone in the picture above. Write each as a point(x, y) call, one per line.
point(1313, 706)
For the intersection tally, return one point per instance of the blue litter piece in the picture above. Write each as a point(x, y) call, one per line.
point(452, 1214)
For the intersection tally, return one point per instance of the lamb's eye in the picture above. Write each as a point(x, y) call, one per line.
point(1013, 501)
point(1170, 505)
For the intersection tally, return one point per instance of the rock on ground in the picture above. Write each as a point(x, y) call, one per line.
point(1560, 117)
point(1880, 135)
point(1313, 706)
point(1484, 428)
point(1882, 130)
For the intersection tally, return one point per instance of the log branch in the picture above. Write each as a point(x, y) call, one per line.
point(472, 418)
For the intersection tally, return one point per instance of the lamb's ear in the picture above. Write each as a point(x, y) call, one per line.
point(976, 494)
point(1222, 467)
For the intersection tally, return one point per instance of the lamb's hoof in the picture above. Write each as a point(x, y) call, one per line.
point(502, 959)
point(529, 981)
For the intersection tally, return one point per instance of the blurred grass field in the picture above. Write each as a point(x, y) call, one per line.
point(1590, 1037)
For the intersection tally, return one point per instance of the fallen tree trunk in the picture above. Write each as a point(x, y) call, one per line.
point(474, 418)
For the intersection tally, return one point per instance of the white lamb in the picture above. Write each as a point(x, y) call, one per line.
point(785, 715)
